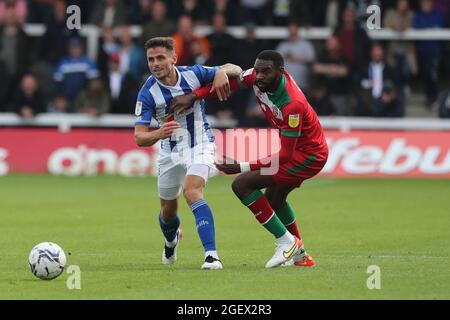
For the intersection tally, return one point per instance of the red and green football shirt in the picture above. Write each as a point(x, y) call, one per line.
point(304, 150)
point(288, 110)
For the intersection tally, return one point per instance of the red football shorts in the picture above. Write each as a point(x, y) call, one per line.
point(301, 167)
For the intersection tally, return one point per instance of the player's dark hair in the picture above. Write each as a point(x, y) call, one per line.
point(273, 56)
point(165, 42)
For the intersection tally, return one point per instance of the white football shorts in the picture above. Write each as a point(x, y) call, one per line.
point(173, 167)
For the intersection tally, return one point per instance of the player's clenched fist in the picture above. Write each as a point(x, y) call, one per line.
point(167, 129)
point(228, 165)
point(229, 168)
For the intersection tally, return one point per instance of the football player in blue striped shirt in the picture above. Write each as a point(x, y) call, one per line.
point(187, 150)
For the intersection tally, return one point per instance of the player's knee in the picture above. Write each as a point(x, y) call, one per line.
point(239, 186)
point(192, 194)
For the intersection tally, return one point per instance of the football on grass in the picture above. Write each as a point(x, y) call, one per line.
point(47, 260)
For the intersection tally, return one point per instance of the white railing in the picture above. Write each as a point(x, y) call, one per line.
point(67, 121)
point(407, 124)
point(92, 34)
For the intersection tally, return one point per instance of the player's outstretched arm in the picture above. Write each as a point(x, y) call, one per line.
point(208, 92)
point(246, 79)
point(276, 159)
point(182, 103)
point(224, 82)
point(146, 138)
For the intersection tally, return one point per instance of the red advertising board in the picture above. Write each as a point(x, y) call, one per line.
point(387, 153)
point(97, 151)
point(77, 152)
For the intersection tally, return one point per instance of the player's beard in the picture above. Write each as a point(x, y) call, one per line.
point(273, 86)
point(161, 75)
point(164, 75)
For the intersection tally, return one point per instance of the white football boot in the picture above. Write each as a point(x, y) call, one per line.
point(212, 263)
point(284, 252)
point(169, 255)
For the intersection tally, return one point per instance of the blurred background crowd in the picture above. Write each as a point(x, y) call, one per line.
point(347, 74)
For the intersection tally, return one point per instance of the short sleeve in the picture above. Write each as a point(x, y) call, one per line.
point(292, 119)
point(204, 74)
point(145, 108)
point(247, 78)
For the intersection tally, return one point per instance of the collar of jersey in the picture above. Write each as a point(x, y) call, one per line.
point(280, 97)
point(178, 81)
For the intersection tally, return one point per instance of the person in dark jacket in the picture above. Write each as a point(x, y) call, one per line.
point(428, 52)
point(4, 80)
point(57, 35)
point(29, 100)
point(122, 87)
point(159, 25)
point(15, 55)
point(221, 43)
point(354, 41)
point(379, 84)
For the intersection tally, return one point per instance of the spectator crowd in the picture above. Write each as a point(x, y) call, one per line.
point(348, 74)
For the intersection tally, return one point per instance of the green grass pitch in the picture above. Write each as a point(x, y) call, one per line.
point(109, 225)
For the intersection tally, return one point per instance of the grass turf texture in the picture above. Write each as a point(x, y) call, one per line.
point(109, 226)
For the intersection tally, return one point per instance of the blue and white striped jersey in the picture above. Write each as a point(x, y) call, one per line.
point(154, 100)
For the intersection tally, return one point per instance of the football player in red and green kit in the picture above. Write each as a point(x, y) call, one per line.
point(303, 152)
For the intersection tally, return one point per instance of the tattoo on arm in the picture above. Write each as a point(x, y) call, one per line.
point(231, 70)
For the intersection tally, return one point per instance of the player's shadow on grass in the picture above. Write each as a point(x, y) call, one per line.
point(158, 267)
point(37, 280)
